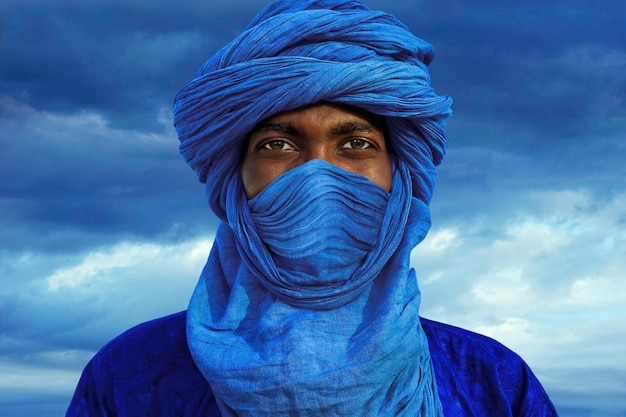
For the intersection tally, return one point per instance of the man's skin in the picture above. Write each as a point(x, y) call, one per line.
point(342, 136)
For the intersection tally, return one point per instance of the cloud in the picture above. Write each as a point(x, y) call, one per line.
point(542, 274)
point(558, 257)
point(113, 58)
point(104, 226)
point(58, 310)
point(56, 302)
point(73, 181)
point(102, 264)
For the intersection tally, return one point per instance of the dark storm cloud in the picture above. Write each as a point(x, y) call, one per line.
point(112, 57)
point(99, 213)
point(70, 183)
point(500, 59)
point(551, 67)
point(532, 83)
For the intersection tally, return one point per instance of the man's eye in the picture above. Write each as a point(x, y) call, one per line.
point(278, 145)
point(357, 144)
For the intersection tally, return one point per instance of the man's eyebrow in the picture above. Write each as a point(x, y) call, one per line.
point(352, 127)
point(286, 128)
point(339, 129)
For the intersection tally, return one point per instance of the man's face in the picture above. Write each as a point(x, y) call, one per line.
point(340, 136)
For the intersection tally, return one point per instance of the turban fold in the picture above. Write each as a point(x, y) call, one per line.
point(296, 53)
point(323, 320)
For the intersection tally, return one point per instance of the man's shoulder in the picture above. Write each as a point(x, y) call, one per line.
point(154, 349)
point(151, 337)
point(449, 338)
point(145, 371)
point(471, 354)
point(475, 372)
point(171, 326)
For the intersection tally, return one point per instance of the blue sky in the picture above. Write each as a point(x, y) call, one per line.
point(103, 226)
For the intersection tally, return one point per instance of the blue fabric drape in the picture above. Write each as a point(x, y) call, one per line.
point(350, 234)
point(272, 339)
point(296, 53)
point(276, 335)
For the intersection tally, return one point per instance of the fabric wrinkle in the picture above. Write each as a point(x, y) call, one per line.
point(369, 60)
point(270, 329)
point(354, 347)
point(326, 323)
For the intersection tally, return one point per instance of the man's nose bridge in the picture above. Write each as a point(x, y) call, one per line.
point(318, 150)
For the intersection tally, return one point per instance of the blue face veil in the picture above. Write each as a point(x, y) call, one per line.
point(323, 322)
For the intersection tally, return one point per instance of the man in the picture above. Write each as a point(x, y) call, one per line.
point(317, 133)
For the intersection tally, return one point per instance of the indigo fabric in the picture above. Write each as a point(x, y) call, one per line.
point(339, 332)
point(268, 331)
point(277, 333)
point(342, 247)
point(329, 233)
point(148, 372)
point(301, 52)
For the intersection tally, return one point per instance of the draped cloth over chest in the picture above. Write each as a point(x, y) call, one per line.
point(271, 340)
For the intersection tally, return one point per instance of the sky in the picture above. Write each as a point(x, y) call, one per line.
point(103, 226)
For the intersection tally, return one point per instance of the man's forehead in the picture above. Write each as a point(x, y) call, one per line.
point(362, 120)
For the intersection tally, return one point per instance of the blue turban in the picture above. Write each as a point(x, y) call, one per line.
point(270, 338)
point(299, 52)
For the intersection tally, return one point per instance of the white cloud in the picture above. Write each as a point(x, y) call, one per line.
point(87, 298)
point(595, 292)
point(149, 258)
point(440, 240)
point(150, 276)
point(503, 289)
point(56, 320)
point(550, 285)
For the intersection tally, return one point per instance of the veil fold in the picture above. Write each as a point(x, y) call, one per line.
point(296, 53)
point(264, 350)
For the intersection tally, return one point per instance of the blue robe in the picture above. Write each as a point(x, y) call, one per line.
point(148, 371)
